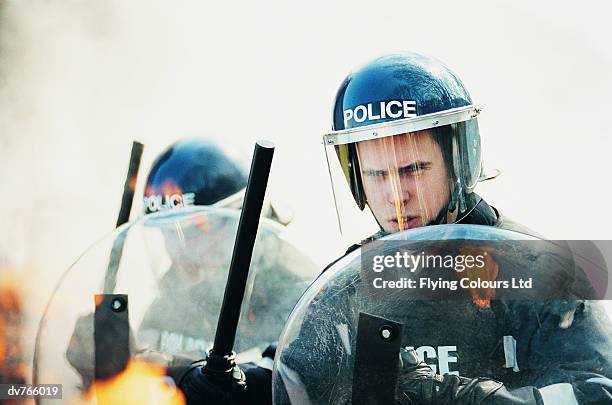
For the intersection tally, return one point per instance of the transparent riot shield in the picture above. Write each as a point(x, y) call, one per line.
point(148, 296)
point(472, 301)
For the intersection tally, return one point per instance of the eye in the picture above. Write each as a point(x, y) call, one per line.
point(375, 173)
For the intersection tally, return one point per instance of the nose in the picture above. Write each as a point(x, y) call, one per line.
point(396, 193)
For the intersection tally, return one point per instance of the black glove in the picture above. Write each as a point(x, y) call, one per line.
point(247, 384)
point(418, 384)
point(201, 388)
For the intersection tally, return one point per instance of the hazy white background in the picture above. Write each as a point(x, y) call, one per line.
point(80, 79)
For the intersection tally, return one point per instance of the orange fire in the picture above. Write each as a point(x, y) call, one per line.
point(167, 188)
point(481, 297)
point(140, 383)
point(12, 360)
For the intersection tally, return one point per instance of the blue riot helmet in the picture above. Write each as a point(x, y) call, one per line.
point(192, 172)
point(404, 150)
point(198, 172)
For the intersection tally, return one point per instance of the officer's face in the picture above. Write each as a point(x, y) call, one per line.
point(405, 179)
point(198, 249)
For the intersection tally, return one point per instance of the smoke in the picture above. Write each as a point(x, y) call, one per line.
point(79, 80)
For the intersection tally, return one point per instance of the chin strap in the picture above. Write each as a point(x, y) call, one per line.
point(442, 217)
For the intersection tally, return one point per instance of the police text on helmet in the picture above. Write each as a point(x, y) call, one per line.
point(376, 111)
point(160, 202)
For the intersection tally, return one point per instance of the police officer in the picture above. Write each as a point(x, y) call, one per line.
point(195, 172)
point(405, 141)
point(191, 199)
point(405, 148)
point(188, 172)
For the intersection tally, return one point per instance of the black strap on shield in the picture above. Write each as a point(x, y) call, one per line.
point(111, 335)
point(376, 367)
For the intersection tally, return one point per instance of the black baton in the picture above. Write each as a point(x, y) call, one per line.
point(221, 357)
point(129, 186)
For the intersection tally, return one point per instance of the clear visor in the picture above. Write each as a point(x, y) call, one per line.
point(405, 180)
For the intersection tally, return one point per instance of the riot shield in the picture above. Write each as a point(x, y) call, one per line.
point(472, 301)
point(149, 295)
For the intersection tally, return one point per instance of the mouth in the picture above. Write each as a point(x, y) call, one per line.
point(408, 222)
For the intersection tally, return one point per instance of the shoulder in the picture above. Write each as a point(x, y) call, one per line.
point(504, 222)
point(349, 250)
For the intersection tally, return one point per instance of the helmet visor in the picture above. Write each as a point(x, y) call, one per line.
point(405, 180)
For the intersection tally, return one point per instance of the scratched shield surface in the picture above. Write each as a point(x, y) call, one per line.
point(473, 301)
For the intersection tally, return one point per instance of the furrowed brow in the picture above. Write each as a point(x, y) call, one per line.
point(415, 165)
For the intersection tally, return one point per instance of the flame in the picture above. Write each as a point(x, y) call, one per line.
point(168, 187)
point(481, 297)
point(141, 383)
point(98, 299)
point(12, 359)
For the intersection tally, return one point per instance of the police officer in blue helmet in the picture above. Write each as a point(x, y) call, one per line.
point(191, 172)
point(405, 141)
point(194, 173)
point(404, 152)
point(405, 146)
